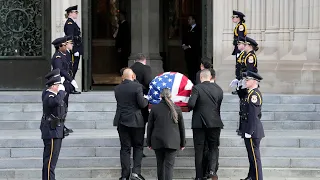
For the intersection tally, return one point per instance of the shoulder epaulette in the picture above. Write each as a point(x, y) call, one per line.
point(58, 56)
point(69, 22)
point(51, 95)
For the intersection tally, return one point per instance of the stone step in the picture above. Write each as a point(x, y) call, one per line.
point(108, 124)
point(108, 96)
point(150, 173)
point(76, 162)
point(109, 138)
point(268, 178)
point(282, 152)
point(111, 107)
point(226, 116)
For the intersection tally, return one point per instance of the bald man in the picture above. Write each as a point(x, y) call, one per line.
point(130, 124)
point(206, 124)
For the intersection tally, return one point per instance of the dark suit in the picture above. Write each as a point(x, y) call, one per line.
point(52, 135)
point(72, 29)
point(192, 55)
point(251, 124)
point(205, 101)
point(59, 60)
point(123, 42)
point(131, 125)
point(165, 137)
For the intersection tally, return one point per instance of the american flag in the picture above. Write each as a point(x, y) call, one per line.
point(179, 85)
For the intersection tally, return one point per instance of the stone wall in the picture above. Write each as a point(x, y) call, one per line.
point(288, 35)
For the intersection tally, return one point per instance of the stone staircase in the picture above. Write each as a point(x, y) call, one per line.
point(291, 149)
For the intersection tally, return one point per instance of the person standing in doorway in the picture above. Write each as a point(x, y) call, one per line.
point(165, 134)
point(71, 28)
point(123, 39)
point(192, 48)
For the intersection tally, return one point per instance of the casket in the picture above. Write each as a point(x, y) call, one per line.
point(179, 85)
point(183, 108)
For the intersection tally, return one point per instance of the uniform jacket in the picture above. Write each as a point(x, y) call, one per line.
point(71, 28)
point(60, 61)
point(130, 101)
point(70, 60)
point(205, 101)
point(240, 65)
point(143, 75)
point(50, 103)
point(252, 107)
point(250, 62)
point(162, 132)
point(239, 31)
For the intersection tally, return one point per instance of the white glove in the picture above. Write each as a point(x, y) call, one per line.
point(240, 83)
point(62, 80)
point(76, 54)
point(146, 96)
point(61, 87)
point(247, 135)
point(74, 84)
point(234, 83)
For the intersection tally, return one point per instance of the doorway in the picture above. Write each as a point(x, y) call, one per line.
point(104, 62)
point(174, 24)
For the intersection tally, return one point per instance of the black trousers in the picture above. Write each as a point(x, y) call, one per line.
point(130, 137)
point(165, 163)
point(212, 135)
point(193, 64)
point(51, 153)
point(205, 160)
point(68, 87)
point(253, 149)
point(75, 65)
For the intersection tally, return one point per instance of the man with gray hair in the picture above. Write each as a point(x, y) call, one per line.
point(205, 101)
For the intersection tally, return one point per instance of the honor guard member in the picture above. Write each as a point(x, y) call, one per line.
point(72, 29)
point(251, 128)
point(240, 57)
point(250, 62)
point(52, 123)
point(70, 58)
point(239, 31)
point(59, 61)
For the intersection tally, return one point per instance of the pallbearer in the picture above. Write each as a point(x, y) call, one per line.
point(251, 128)
point(52, 123)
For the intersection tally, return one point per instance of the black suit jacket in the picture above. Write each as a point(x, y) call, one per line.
point(143, 75)
point(123, 37)
point(205, 101)
point(162, 132)
point(130, 101)
point(193, 38)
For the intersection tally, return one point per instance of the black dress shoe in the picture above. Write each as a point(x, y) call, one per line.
point(75, 92)
point(67, 130)
point(234, 92)
point(247, 178)
point(135, 176)
point(239, 132)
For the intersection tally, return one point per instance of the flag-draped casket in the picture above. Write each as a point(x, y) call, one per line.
point(179, 85)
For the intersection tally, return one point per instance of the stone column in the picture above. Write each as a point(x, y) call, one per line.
point(207, 30)
point(145, 19)
point(313, 51)
point(57, 24)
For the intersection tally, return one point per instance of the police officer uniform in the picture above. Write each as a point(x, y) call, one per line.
point(52, 125)
point(250, 62)
point(239, 31)
point(59, 61)
point(71, 60)
point(72, 29)
point(252, 128)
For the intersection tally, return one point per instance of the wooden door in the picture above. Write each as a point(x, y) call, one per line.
point(175, 24)
point(104, 16)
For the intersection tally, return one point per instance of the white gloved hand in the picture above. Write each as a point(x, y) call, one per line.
point(74, 84)
point(246, 135)
point(76, 54)
point(146, 96)
point(62, 80)
point(234, 83)
point(240, 83)
point(61, 87)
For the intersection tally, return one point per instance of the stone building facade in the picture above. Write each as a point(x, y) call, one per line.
point(287, 31)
